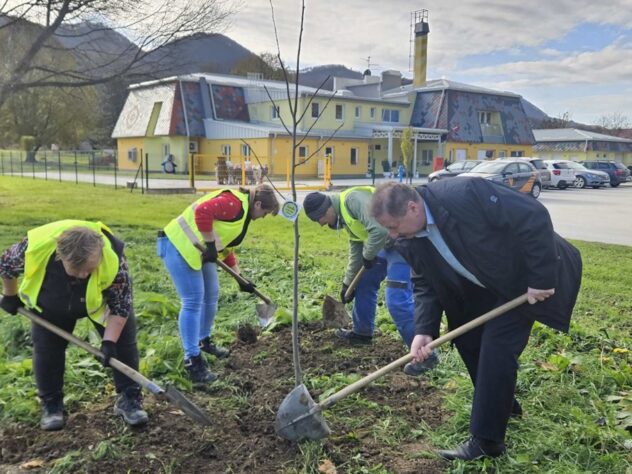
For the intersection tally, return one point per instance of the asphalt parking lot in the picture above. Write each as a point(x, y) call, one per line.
point(595, 215)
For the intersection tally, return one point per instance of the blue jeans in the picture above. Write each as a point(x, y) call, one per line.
point(198, 291)
point(388, 264)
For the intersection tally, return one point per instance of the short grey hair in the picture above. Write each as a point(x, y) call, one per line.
point(79, 244)
point(392, 199)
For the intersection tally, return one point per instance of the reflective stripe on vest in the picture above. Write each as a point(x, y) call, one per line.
point(42, 243)
point(183, 232)
point(357, 231)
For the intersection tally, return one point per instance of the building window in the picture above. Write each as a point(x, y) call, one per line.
point(132, 154)
point(166, 149)
point(517, 154)
point(329, 151)
point(372, 113)
point(245, 150)
point(340, 112)
point(354, 156)
point(357, 112)
point(390, 115)
point(485, 118)
point(226, 151)
point(378, 147)
point(426, 157)
point(275, 112)
point(315, 109)
point(302, 151)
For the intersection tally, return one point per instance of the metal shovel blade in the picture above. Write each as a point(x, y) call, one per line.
point(186, 405)
point(334, 313)
point(299, 417)
point(265, 313)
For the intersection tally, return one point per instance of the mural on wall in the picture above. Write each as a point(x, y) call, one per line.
point(194, 110)
point(230, 103)
point(136, 114)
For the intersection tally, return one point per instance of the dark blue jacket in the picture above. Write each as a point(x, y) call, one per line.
point(503, 237)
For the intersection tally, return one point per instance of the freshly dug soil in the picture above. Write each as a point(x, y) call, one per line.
point(242, 406)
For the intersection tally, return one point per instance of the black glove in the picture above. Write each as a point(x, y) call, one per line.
point(343, 292)
point(11, 304)
point(210, 254)
point(108, 349)
point(368, 263)
point(247, 286)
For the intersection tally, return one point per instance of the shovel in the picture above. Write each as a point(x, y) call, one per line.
point(265, 310)
point(299, 417)
point(170, 393)
point(335, 312)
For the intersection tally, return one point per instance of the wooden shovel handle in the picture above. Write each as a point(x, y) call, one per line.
point(114, 363)
point(354, 282)
point(236, 275)
point(354, 387)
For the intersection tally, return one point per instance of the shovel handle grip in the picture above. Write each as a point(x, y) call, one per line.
point(114, 363)
point(354, 387)
point(235, 275)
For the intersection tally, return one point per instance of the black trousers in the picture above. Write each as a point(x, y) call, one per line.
point(491, 354)
point(49, 355)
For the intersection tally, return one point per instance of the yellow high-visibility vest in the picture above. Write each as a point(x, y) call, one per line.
point(357, 231)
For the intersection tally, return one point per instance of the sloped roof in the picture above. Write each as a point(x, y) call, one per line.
point(443, 84)
point(573, 134)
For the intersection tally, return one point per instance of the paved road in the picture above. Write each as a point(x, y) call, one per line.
point(595, 215)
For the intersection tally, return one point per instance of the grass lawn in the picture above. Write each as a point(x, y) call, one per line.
point(576, 388)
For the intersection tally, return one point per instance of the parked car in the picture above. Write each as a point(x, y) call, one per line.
point(545, 173)
point(453, 170)
point(513, 172)
point(617, 171)
point(585, 177)
point(562, 175)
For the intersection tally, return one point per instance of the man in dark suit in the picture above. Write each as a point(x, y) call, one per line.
point(473, 245)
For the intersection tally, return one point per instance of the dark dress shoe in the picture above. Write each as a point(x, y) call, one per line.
point(516, 409)
point(474, 448)
point(353, 338)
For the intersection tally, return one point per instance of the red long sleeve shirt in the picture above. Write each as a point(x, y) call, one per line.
point(224, 207)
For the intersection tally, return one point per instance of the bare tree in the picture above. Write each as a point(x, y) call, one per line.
point(149, 25)
point(614, 121)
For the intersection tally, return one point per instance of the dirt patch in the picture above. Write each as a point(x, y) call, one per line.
point(247, 334)
point(242, 406)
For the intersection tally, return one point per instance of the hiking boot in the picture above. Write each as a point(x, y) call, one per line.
point(415, 369)
point(210, 347)
point(353, 338)
point(52, 414)
point(198, 370)
point(130, 407)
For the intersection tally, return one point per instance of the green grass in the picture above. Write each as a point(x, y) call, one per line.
point(575, 388)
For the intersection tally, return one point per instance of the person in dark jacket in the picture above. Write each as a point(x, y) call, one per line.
point(473, 245)
point(71, 270)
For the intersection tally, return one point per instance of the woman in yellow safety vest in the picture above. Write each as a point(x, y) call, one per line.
point(218, 221)
point(72, 269)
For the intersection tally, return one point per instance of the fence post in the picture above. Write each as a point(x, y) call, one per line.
point(146, 170)
point(115, 166)
point(191, 170)
point(59, 163)
point(45, 168)
point(94, 174)
point(21, 166)
point(2, 162)
point(142, 179)
point(76, 176)
point(33, 165)
point(11, 161)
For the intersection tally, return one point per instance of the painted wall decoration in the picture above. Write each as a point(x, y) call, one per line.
point(230, 103)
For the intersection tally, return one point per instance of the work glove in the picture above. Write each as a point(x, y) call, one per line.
point(108, 349)
point(11, 304)
point(368, 264)
point(210, 254)
point(343, 292)
point(247, 286)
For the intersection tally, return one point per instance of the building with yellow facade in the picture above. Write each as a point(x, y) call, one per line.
point(581, 145)
point(202, 119)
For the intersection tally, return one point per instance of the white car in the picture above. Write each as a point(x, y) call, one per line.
point(585, 177)
point(562, 175)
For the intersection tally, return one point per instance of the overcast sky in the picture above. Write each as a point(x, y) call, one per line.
point(562, 55)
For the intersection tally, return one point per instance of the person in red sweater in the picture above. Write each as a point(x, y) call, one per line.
point(219, 221)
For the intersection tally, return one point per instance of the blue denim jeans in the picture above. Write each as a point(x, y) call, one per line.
point(198, 291)
point(389, 265)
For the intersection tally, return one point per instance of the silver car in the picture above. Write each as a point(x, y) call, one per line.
point(585, 177)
